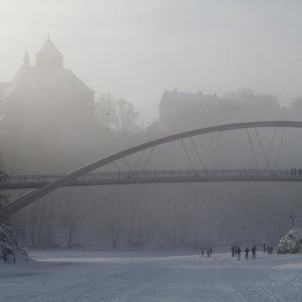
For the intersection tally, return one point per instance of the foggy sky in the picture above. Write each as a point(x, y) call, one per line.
point(138, 48)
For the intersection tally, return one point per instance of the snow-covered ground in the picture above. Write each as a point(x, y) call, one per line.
point(81, 275)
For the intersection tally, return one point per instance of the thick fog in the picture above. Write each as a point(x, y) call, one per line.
point(137, 49)
point(100, 77)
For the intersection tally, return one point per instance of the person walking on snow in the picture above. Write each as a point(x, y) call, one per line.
point(238, 252)
point(247, 253)
point(233, 250)
point(254, 249)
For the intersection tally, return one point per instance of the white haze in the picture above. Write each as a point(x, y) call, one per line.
point(138, 48)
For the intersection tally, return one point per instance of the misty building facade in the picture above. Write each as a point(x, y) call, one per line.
point(181, 111)
point(47, 117)
point(46, 95)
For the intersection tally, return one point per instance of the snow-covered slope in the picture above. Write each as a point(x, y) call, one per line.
point(96, 276)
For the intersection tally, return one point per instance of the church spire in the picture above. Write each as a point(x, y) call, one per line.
point(26, 59)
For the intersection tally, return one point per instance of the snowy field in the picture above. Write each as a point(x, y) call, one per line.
point(79, 275)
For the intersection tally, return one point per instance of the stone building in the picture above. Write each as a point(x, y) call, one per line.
point(181, 111)
point(47, 95)
point(47, 116)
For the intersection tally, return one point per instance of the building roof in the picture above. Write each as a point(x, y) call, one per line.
point(3, 86)
point(49, 49)
point(185, 97)
point(26, 58)
point(32, 77)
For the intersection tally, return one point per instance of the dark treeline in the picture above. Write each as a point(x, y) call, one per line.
point(161, 215)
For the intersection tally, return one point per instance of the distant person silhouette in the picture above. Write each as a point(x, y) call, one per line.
point(254, 249)
point(238, 252)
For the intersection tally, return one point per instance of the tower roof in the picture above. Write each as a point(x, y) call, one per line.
point(49, 49)
point(33, 78)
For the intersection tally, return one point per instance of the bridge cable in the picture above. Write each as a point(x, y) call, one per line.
point(187, 154)
point(279, 149)
point(148, 158)
point(24, 201)
point(215, 151)
point(271, 145)
point(197, 153)
point(140, 157)
point(251, 144)
point(127, 164)
point(115, 164)
point(207, 151)
point(262, 149)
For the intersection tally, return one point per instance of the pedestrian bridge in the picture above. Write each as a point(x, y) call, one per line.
point(152, 176)
point(44, 184)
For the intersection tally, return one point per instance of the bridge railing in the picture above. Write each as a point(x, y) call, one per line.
point(150, 174)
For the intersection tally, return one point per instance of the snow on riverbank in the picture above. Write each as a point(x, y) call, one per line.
point(85, 275)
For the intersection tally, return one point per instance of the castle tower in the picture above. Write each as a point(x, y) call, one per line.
point(49, 57)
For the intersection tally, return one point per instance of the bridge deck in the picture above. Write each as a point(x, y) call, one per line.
point(152, 176)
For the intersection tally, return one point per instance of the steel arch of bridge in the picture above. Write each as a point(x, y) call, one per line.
point(27, 199)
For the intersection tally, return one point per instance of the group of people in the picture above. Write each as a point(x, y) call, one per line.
point(209, 251)
point(236, 251)
point(295, 171)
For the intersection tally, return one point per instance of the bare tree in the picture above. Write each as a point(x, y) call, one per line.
point(243, 95)
point(116, 114)
point(106, 110)
point(246, 95)
point(126, 115)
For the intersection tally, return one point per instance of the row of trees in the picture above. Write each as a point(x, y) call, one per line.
point(160, 216)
